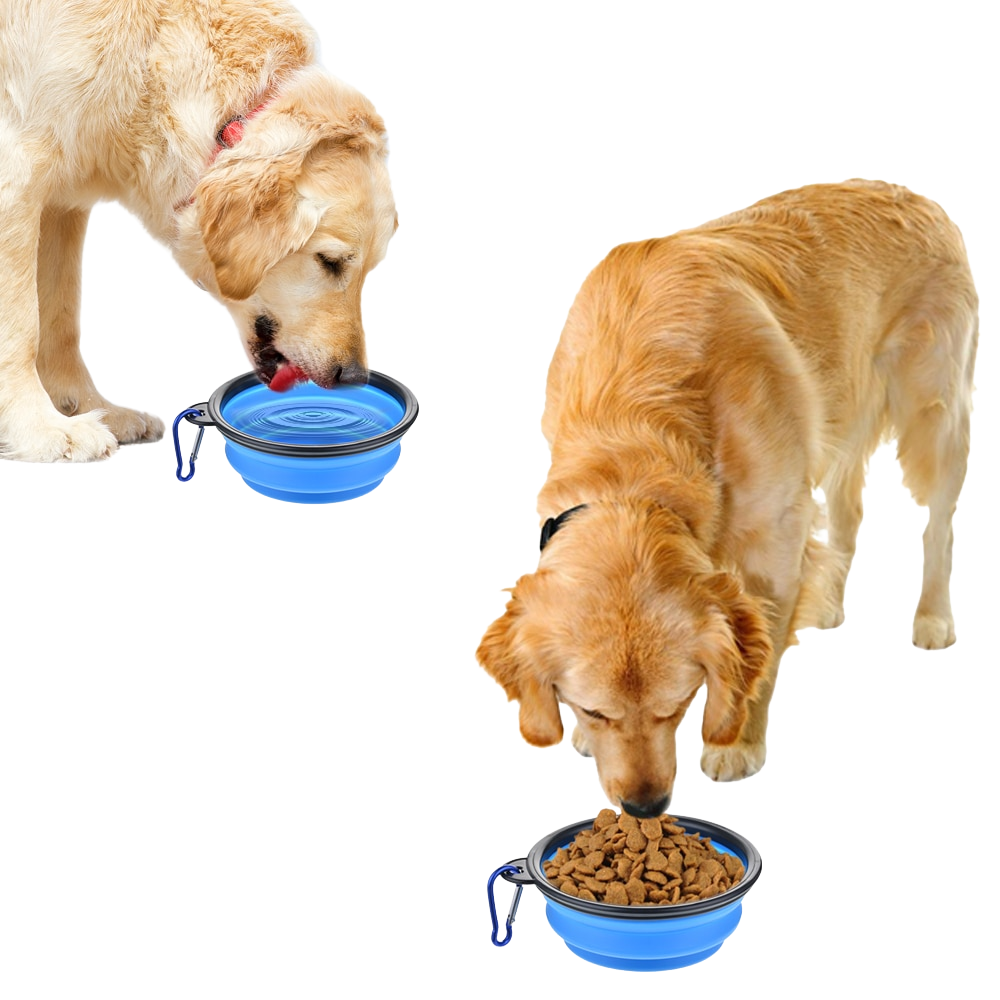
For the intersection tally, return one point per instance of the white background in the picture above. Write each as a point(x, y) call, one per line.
point(245, 747)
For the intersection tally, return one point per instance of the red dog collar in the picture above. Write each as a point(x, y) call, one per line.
point(232, 132)
point(227, 137)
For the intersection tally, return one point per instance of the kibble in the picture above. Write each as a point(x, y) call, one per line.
point(655, 862)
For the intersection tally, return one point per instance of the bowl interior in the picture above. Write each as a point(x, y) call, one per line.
point(722, 838)
point(309, 415)
point(722, 848)
point(310, 422)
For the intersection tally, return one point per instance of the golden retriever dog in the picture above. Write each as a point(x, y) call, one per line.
point(212, 122)
point(703, 386)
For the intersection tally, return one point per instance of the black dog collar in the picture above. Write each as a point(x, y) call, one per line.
point(553, 524)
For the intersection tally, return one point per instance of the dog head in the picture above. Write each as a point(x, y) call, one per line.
point(285, 225)
point(624, 620)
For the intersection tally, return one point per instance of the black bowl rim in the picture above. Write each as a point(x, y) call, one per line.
point(729, 838)
point(386, 383)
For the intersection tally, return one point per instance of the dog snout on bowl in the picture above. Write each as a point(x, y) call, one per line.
point(648, 808)
point(270, 347)
point(639, 779)
point(352, 372)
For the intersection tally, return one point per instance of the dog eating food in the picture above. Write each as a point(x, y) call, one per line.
point(625, 861)
point(703, 386)
point(214, 124)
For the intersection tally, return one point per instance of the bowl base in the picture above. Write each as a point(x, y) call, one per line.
point(293, 496)
point(644, 964)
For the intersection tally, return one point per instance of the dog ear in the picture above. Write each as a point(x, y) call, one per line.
point(735, 656)
point(250, 217)
point(361, 130)
point(249, 210)
point(504, 655)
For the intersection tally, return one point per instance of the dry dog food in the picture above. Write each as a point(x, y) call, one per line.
point(641, 862)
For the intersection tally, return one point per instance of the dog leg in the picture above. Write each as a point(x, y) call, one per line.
point(30, 427)
point(60, 365)
point(843, 490)
point(930, 401)
point(933, 624)
point(948, 436)
point(746, 755)
point(774, 574)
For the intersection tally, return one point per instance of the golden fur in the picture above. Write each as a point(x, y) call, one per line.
point(123, 99)
point(703, 385)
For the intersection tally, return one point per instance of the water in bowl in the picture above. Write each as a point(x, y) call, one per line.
point(309, 415)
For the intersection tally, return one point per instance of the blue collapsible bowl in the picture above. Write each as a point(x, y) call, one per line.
point(308, 444)
point(641, 938)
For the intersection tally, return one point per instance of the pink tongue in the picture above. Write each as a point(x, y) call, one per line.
point(286, 376)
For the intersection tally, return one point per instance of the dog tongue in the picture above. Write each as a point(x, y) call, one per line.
point(286, 376)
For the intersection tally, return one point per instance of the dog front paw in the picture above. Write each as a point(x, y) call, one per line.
point(61, 439)
point(132, 426)
point(933, 631)
point(128, 426)
point(732, 762)
point(580, 743)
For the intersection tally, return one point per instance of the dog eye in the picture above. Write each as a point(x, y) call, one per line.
point(594, 715)
point(333, 265)
point(675, 718)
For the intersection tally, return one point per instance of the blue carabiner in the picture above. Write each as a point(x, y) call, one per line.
point(191, 412)
point(493, 909)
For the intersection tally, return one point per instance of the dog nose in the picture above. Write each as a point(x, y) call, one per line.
point(350, 374)
point(645, 810)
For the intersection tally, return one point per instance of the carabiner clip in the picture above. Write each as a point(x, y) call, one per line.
point(191, 412)
point(513, 906)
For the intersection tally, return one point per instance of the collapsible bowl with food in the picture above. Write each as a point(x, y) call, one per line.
point(641, 938)
point(307, 444)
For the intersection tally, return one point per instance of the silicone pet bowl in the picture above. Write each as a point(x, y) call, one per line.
point(642, 938)
point(306, 445)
